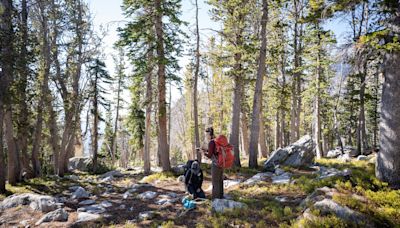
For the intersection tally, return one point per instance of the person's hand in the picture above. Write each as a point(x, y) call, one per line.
point(198, 190)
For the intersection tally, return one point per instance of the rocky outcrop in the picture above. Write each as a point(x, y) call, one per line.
point(37, 202)
point(300, 153)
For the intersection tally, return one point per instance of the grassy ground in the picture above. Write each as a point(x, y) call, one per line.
point(361, 192)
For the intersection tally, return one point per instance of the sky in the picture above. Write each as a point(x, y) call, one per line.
point(108, 14)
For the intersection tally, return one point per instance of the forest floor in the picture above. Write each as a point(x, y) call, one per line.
point(268, 204)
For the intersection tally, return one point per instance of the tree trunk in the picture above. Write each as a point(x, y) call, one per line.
point(255, 134)
point(149, 102)
point(234, 137)
point(2, 162)
point(23, 70)
point(262, 143)
point(361, 128)
point(95, 126)
point(278, 137)
point(244, 132)
point(196, 76)
point(294, 111)
point(162, 110)
point(388, 161)
point(317, 117)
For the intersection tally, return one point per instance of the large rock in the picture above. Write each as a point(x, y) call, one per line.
point(37, 202)
point(93, 209)
point(334, 153)
point(220, 205)
point(146, 215)
point(231, 183)
point(284, 178)
point(179, 169)
point(300, 153)
point(59, 215)
point(328, 206)
point(80, 163)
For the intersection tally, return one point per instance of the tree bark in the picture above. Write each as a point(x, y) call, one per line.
point(237, 100)
point(149, 102)
point(2, 162)
point(362, 143)
point(388, 160)
point(196, 76)
point(255, 134)
point(244, 131)
point(317, 116)
point(162, 109)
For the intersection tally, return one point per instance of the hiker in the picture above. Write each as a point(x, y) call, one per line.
point(194, 179)
point(216, 171)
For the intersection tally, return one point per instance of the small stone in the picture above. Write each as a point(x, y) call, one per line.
point(146, 215)
point(72, 177)
point(122, 207)
point(106, 204)
point(87, 202)
point(362, 158)
point(80, 193)
point(147, 195)
point(85, 217)
point(231, 183)
point(93, 209)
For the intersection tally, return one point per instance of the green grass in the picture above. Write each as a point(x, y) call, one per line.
point(162, 176)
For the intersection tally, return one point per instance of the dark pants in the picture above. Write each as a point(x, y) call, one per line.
point(217, 182)
point(193, 190)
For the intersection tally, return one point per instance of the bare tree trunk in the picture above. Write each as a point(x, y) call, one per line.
point(162, 110)
point(335, 120)
point(388, 161)
point(361, 128)
point(196, 76)
point(262, 143)
point(234, 137)
point(295, 112)
point(317, 116)
point(278, 137)
point(147, 136)
point(2, 162)
point(244, 132)
point(255, 134)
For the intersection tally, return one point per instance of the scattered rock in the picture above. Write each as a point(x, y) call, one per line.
point(279, 171)
point(220, 205)
point(85, 217)
point(24, 223)
point(231, 183)
point(328, 206)
point(179, 169)
point(122, 207)
point(73, 188)
point(284, 199)
point(259, 177)
point(80, 163)
point(59, 215)
point(362, 158)
point(344, 158)
point(352, 152)
point(106, 204)
point(80, 193)
point(93, 209)
point(146, 215)
point(334, 153)
point(86, 202)
point(72, 177)
point(282, 179)
point(147, 195)
point(318, 195)
point(113, 173)
point(300, 153)
point(325, 172)
point(107, 179)
point(126, 195)
point(37, 202)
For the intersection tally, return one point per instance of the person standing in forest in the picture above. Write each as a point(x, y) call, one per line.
point(216, 171)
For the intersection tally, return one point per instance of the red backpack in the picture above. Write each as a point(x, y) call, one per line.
point(224, 152)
